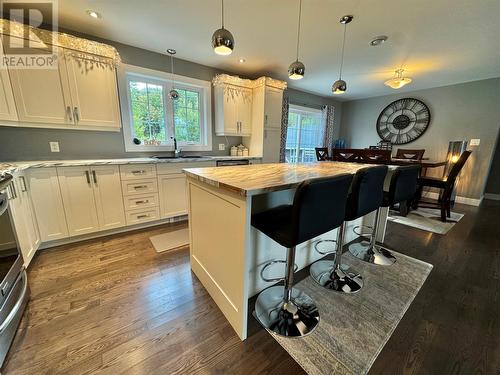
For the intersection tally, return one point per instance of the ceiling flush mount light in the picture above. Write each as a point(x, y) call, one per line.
point(297, 69)
point(241, 60)
point(173, 93)
point(222, 39)
point(378, 40)
point(93, 14)
point(398, 81)
point(340, 86)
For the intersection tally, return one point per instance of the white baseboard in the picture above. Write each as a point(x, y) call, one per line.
point(495, 197)
point(458, 199)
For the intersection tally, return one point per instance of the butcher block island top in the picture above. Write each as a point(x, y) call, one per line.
point(256, 179)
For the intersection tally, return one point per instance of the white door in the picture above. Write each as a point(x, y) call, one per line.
point(273, 107)
point(78, 197)
point(230, 110)
point(7, 103)
point(42, 95)
point(173, 198)
point(94, 92)
point(108, 196)
point(43, 186)
point(24, 218)
point(245, 111)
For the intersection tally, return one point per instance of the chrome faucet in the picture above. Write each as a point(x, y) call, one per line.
point(177, 152)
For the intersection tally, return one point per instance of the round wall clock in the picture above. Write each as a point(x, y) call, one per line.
point(403, 121)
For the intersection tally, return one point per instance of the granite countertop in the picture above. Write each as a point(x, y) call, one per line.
point(11, 167)
point(256, 179)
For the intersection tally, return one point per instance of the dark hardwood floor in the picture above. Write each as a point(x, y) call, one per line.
point(114, 305)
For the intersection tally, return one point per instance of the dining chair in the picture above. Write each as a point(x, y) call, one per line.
point(402, 153)
point(322, 153)
point(445, 185)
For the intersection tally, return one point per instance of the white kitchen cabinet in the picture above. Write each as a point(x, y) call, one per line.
point(92, 198)
point(93, 91)
point(173, 197)
point(42, 95)
point(108, 196)
point(77, 192)
point(47, 203)
point(273, 102)
point(233, 106)
point(23, 215)
point(7, 103)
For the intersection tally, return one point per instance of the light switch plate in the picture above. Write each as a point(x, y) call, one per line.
point(475, 142)
point(222, 146)
point(54, 146)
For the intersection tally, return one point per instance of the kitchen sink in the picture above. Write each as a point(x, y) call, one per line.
point(178, 157)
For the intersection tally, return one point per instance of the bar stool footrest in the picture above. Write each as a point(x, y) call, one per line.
point(358, 229)
point(325, 252)
point(271, 263)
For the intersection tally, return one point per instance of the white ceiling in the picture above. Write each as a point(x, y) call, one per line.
point(438, 42)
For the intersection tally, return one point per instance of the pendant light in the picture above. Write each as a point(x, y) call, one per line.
point(340, 86)
point(172, 94)
point(398, 81)
point(297, 69)
point(222, 39)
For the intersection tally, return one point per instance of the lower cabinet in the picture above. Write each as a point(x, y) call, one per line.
point(173, 200)
point(92, 198)
point(43, 186)
point(25, 224)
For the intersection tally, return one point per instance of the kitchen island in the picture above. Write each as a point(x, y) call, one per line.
point(226, 252)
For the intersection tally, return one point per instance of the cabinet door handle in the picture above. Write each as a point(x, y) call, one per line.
point(265, 119)
point(139, 172)
point(70, 115)
point(141, 202)
point(14, 190)
point(140, 187)
point(142, 216)
point(76, 113)
point(87, 174)
point(23, 188)
point(95, 177)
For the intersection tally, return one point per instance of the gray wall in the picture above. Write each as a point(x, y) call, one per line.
point(459, 112)
point(33, 144)
point(493, 184)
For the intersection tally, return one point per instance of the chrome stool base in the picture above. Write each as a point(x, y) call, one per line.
point(337, 278)
point(297, 318)
point(373, 254)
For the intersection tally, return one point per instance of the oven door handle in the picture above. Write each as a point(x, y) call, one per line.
point(19, 303)
point(5, 205)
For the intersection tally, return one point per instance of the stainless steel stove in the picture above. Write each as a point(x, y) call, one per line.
point(14, 290)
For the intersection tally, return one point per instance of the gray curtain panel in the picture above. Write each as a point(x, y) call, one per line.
point(284, 128)
point(328, 116)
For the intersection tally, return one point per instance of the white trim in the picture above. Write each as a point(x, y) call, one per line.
point(203, 87)
point(301, 108)
point(495, 197)
point(458, 199)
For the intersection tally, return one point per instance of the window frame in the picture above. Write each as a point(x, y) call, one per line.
point(302, 110)
point(129, 73)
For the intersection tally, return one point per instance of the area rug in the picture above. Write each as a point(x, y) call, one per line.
point(353, 329)
point(171, 240)
point(428, 219)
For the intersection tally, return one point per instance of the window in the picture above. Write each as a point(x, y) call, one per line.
point(305, 132)
point(151, 119)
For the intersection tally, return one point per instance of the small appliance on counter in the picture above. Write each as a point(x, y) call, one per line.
point(14, 290)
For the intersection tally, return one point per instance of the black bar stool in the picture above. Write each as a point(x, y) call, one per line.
point(366, 196)
point(318, 207)
point(402, 187)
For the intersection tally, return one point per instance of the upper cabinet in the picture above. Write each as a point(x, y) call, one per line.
point(80, 92)
point(233, 106)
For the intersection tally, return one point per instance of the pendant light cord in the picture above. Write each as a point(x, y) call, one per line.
point(342, 58)
point(172, 70)
point(222, 13)
point(298, 30)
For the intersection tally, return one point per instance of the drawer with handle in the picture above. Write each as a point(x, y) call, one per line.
point(142, 215)
point(137, 171)
point(144, 186)
point(135, 202)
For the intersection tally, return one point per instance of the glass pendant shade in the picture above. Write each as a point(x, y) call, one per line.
point(223, 42)
point(339, 87)
point(398, 81)
point(296, 70)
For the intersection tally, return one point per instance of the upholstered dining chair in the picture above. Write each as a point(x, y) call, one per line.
point(402, 153)
point(445, 185)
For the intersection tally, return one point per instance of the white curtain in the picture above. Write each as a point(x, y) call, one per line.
point(328, 113)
